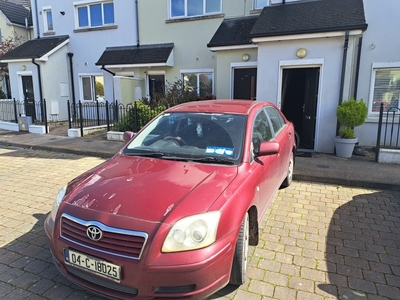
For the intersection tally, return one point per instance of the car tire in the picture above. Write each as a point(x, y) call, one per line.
point(240, 259)
point(289, 175)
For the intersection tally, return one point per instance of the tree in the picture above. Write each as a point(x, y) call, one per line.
point(7, 44)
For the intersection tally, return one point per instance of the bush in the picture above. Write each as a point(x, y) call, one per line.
point(138, 116)
point(350, 114)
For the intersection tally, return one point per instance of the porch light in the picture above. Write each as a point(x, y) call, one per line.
point(301, 53)
point(245, 57)
point(23, 67)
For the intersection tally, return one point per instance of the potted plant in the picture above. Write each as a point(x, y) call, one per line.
point(350, 114)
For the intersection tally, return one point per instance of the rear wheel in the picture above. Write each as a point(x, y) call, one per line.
point(240, 259)
point(289, 175)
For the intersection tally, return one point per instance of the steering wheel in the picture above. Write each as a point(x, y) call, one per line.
point(176, 139)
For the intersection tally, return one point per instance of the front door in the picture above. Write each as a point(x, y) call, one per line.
point(244, 83)
point(156, 87)
point(299, 102)
point(29, 99)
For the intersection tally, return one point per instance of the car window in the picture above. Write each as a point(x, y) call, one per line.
point(276, 119)
point(192, 135)
point(261, 130)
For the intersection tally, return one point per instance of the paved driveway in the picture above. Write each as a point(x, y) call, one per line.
point(317, 241)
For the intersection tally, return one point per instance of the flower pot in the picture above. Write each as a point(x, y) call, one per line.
point(344, 147)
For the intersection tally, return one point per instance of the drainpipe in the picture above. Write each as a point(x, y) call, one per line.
point(357, 68)
point(71, 68)
point(345, 47)
point(137, 23)
point(37, 21)
point(112, 73)
point(41, 94)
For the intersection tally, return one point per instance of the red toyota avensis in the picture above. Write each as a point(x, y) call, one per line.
point(173, 213)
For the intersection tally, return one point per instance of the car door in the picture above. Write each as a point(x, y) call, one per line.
point(265, 168)
point(282, 135)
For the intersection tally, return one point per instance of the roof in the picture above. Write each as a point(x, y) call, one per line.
point(35, 48)
point(16, 13)
point(143, 54)
point(233, 31)
point(310, 17)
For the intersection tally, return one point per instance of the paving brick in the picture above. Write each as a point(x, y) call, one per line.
point(261, 288)
point(362, 285)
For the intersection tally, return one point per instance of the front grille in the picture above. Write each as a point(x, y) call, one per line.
point(115, 241)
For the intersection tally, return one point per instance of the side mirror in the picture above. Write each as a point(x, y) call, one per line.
point(128, 135)
point(268, 148)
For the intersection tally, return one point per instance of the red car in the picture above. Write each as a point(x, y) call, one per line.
point(173, 213)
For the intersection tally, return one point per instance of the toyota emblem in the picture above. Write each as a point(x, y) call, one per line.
point(94, 233)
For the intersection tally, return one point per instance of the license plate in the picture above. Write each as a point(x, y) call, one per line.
point(93, 264)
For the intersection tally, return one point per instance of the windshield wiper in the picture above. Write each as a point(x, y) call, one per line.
point(157, 155)
point(214, 160)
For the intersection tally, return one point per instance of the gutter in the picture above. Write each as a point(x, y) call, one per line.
point(43, 109)
point(137, 23)
point(71, 68)
point(357, 67)
point(103, 68)
point(344, 60)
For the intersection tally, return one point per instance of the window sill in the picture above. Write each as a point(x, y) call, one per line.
point(100, 28)
point(186, 19)
point(48, 33)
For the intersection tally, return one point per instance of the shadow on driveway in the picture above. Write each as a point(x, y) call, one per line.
point(363, 248)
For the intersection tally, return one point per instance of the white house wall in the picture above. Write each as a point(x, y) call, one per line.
point(325, 53)
point(87, 46)
point(381, 45)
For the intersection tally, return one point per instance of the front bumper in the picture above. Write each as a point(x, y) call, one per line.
point(183, 275)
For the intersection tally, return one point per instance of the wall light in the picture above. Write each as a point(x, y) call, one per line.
point(245, 57)
point(23, 67)
point(301, 53)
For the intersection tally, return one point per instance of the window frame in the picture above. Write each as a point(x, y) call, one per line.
point(92, 78)
point(185, 9)
point(257, 7)
point(199, 72)
point(88, 5)
point(45, 13)
point(376, 67)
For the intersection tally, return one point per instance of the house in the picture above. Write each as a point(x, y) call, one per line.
point(304, 56)
point(15, 28)
point(58, 65)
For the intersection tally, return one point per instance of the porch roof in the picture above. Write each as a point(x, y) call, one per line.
point(142, 55)
point(234, 31)
point(36, 48)
point(310, 17)
point(16, 13)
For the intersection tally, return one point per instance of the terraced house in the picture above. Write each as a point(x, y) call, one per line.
point(304, 56)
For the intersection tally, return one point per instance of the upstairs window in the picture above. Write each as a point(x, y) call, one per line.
point(48, 19)
point(95, 14)
point(260, 4)
point(194, 8)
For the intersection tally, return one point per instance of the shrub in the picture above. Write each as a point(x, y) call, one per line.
point(350, 114)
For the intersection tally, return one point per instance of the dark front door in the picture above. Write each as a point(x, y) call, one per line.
point(156, 87)
point(244, 83)
point(29, 99)
point(299, 102)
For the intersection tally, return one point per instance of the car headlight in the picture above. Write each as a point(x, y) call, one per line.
point(193, 232)
point(57, 201)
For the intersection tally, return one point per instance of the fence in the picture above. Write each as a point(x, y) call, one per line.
point(11, 109)
point(388, 130)
point(114, 116)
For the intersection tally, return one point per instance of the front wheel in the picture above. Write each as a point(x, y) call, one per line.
point(289, 175)
point(240, 259)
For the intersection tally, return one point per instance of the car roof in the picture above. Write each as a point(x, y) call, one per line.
point(219, 106)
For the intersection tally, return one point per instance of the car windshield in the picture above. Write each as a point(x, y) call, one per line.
point(201, 137)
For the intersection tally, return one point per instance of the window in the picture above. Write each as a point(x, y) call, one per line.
point(276, 119)
point(386, 88)
point(261, 131)
point(200, 83)
point(95, 14)
point(92, 88)
point(259, 4)
point(47, 19)
point(193, 8)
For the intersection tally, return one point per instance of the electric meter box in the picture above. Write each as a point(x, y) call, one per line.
point(24, 122)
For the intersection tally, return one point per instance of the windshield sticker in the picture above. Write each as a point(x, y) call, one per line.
point(219, 150)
